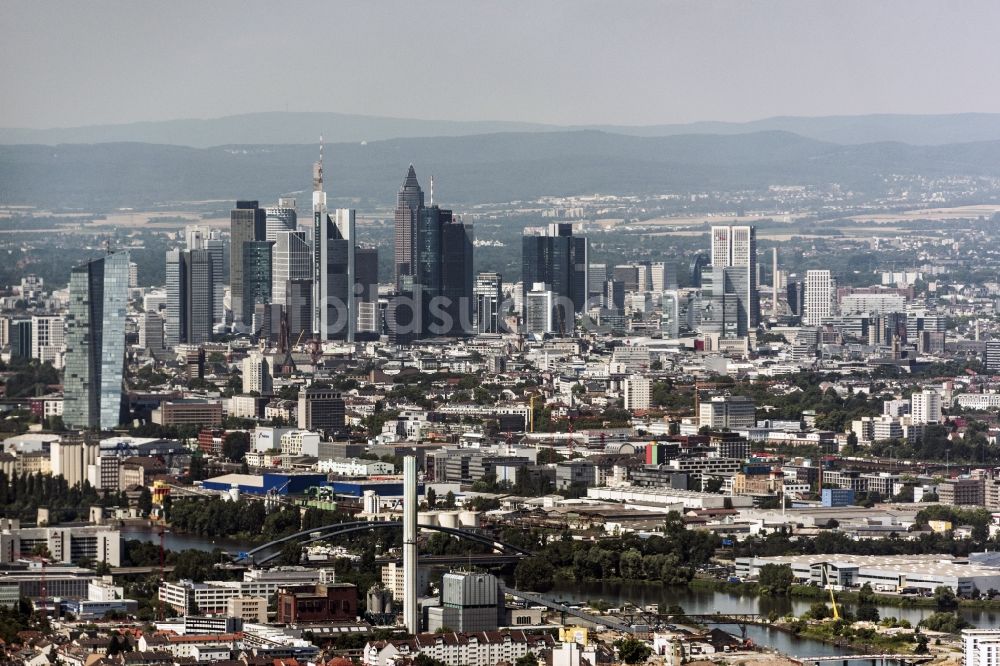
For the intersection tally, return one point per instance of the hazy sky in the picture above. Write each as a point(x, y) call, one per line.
point(566, 62)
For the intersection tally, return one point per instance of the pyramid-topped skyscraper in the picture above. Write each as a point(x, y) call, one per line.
point(409, 208)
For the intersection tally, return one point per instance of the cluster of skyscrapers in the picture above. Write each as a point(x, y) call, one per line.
point(317, 282)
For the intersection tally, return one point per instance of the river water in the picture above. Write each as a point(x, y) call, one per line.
point(179, 541)
point(618, 593)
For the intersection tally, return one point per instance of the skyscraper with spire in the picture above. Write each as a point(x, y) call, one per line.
point(319, 246)
point(334, 244)
point(409, 210)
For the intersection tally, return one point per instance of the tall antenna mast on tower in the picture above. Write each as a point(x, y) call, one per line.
point(432, 190)
point(318, 169)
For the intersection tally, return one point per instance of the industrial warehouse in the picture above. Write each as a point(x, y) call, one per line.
point(910, 573)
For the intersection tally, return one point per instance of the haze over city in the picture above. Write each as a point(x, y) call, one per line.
point(65, 64)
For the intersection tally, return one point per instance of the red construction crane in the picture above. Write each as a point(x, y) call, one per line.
point(159, 601)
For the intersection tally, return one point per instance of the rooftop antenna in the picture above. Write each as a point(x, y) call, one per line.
point(318, 169)
point(432, 190)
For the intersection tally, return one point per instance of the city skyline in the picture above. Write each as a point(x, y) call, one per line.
point(265, 401)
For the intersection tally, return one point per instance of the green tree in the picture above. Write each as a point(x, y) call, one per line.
point(145, 501)
point(818, 611)
point(776, 579)
point(235, 445)
point(535, 574)
point(867, 611)
point(631, 650)
point(549, 455)
point(527, 660)
point(198, 471)
point(950, 623)
point(945, 599)
point(630, 564)
point(852, 442)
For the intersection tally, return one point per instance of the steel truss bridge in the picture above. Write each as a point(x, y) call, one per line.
point(875, 659)
point(638, 616)
point(271, 550)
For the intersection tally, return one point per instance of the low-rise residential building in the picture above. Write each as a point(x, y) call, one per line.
point(479, 649)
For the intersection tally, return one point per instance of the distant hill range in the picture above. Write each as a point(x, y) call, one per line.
point(504, 166)
point(289, 128)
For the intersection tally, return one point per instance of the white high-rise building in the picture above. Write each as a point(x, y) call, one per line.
point(637, 392)
point(48, 336)
point(290, 261)
point(368, 316)
point(819, 297)
point(735, 412)
point(670, 323)
point(663, 275)
point(280, 218)
point(925, 407)
point(256, 374)
point(488, 293)
point(736, 248)
point(538, 306)
point(981, 647)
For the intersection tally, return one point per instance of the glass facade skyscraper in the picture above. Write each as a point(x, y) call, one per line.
point(190, 296)
point(409, 207)
point(248, 223)
point(95, 343)
point(735, 249)
point(556, 258)
point(444, 273)
point(256, 276)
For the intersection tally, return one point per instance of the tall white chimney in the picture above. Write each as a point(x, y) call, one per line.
point(410, 615)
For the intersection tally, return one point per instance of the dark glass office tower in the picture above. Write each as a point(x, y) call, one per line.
point(298, 309)
point(409, 204)
point(366, 274)
point(95, 343)
point(20, 339)
point(190, 297)
point(257, 274)
point(558, 259)
point(444, 273)
point(456, 275)
point(248, 223)
point(795, 292)
point(699, 263)
point(721, 314)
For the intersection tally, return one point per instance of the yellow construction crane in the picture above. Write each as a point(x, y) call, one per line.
point(833, 599)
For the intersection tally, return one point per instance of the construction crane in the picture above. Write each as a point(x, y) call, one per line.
point(162, 576)
point(833, 599)
point(531, 413)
